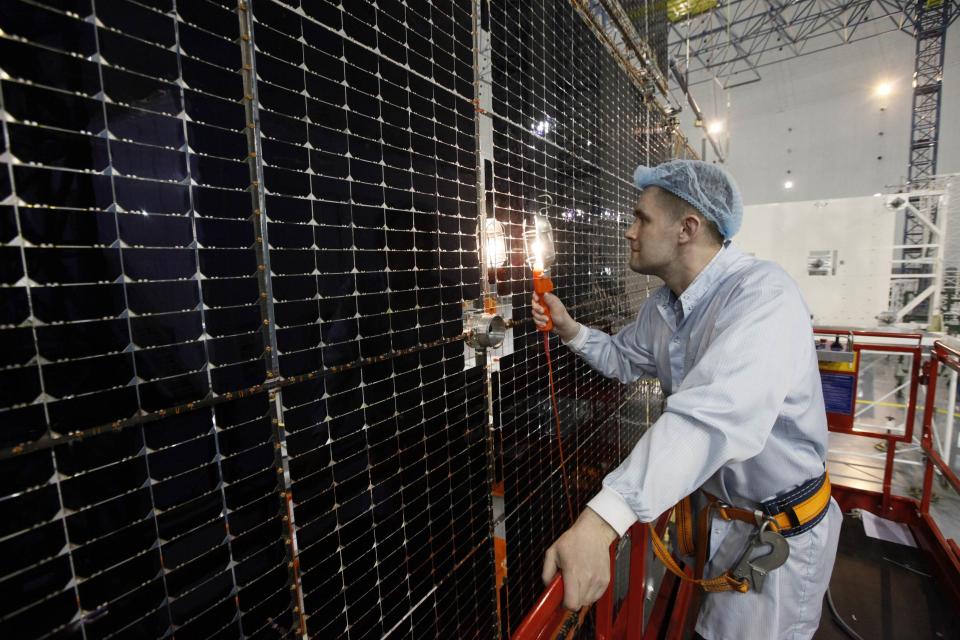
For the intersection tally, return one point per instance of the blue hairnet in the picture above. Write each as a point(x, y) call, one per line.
point(706, 187)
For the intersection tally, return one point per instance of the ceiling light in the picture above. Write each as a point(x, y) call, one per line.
point(715, 127)
point(883, 89)
point(788, 184)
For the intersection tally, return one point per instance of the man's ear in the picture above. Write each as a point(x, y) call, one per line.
point(690, 226)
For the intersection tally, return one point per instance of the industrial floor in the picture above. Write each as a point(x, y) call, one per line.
point(856, 463)
point(884, 591)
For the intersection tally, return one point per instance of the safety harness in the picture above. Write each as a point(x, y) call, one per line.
point(782, 517)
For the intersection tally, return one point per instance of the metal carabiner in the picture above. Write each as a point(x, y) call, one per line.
point(755, 570)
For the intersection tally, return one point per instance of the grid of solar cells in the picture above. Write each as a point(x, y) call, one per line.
point(369, 169)
point(196, 200)
point(129, 287)
point(393, 519)
point(171, 528)
point(129, 280)
point(568, 130)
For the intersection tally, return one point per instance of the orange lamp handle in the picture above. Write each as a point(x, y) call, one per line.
point(541, 285)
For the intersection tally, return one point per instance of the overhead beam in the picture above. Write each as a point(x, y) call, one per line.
point(746, 35)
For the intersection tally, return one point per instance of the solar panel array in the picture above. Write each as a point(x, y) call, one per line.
point(235, 243)
point(568, 129)
point(131, 287)
point(369, 155)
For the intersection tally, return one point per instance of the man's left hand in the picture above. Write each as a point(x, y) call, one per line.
point(582, 554)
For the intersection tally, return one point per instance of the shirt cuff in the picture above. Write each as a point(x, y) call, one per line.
point(578, 341)
point(609, 505)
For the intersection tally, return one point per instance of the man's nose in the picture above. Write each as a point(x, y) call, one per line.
point(630, 233)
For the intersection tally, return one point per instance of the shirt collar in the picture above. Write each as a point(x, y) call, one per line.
point(704, 281)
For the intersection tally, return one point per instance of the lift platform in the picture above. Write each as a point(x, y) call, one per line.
point(879, 589)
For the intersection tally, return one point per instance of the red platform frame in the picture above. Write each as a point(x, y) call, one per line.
point(674, 608)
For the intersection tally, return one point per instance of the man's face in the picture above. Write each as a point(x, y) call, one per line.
point(653, 235)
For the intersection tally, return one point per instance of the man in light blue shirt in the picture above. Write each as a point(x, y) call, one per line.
point(729, 338)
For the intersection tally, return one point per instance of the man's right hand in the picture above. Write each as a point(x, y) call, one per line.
point(582, 555)
point(563, 325)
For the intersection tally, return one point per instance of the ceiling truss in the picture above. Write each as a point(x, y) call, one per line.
point(735, 41)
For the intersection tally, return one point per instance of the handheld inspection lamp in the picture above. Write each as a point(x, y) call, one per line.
point(538, 242)
point(541, 254)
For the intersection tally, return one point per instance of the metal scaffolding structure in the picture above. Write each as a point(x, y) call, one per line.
point(930, 33)
point(736, 39)
point(929, 30)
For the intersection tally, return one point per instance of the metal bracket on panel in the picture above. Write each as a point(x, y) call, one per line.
point(484, 330)
point(487, 331)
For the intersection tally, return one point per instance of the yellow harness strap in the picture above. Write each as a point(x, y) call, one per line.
point(805, 511)
point(723, 582)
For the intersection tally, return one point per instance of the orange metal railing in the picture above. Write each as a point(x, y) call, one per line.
point(675, 603)
point(548, 620)
point(945, 551)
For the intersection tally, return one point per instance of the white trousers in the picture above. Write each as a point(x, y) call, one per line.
point(789, 606)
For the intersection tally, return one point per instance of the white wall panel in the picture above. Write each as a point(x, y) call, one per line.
point(861, 231)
